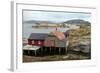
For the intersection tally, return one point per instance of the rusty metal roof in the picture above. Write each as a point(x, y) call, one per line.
point(59, 35)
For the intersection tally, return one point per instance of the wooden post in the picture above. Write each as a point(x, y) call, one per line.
point(67, 43)
point(28, 52)
point(54, 50)
point(41, 51)
point(35, 53)
point(59, 50)
point(44, 51)
point(65, 50)
point(50, 50)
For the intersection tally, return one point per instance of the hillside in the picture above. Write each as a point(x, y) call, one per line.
point(80, 37)
point(77, 21)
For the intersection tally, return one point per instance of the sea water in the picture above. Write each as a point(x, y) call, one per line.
point(27, 29)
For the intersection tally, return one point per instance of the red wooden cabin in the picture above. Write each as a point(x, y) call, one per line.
point(37, 39)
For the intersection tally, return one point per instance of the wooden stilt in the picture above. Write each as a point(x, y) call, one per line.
point(28, 52)
point(44, 51)
point(50, 50)
point(67, 43)
point(41, 51)
point(35, 53)
point(54, 51)
point(59, 50)
point(66, 50)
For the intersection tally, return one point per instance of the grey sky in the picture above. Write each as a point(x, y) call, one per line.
point(54, 16)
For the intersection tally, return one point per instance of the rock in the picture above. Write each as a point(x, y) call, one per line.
point(65, 57)
point(85, 48)
point(80, 39)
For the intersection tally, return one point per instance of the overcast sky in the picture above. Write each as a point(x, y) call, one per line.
point(54, 16)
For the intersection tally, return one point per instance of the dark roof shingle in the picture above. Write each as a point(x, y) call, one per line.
point(38, 36)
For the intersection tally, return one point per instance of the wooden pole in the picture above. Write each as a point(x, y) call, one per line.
point(50, 50)
point(42, 51)
point(35, 53)
point(59, 50)
point(28, 51)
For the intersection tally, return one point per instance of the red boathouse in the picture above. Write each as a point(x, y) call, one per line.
point(37, 39)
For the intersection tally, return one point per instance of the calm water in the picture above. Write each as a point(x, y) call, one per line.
point(27, 30)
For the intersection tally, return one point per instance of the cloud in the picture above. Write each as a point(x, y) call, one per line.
point(54, 16)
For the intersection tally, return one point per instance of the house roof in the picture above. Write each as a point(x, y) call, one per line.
point(38, 36)
point(59, 35)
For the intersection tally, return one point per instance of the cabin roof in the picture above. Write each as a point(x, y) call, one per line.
point(59, 35)
point(38, 36)
point(43, 36)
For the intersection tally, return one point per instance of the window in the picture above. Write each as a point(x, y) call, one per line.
point(39, 42)
point(33, 42)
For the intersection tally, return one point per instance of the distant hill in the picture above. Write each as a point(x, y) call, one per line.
point(38, 22)
point(76, 21)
